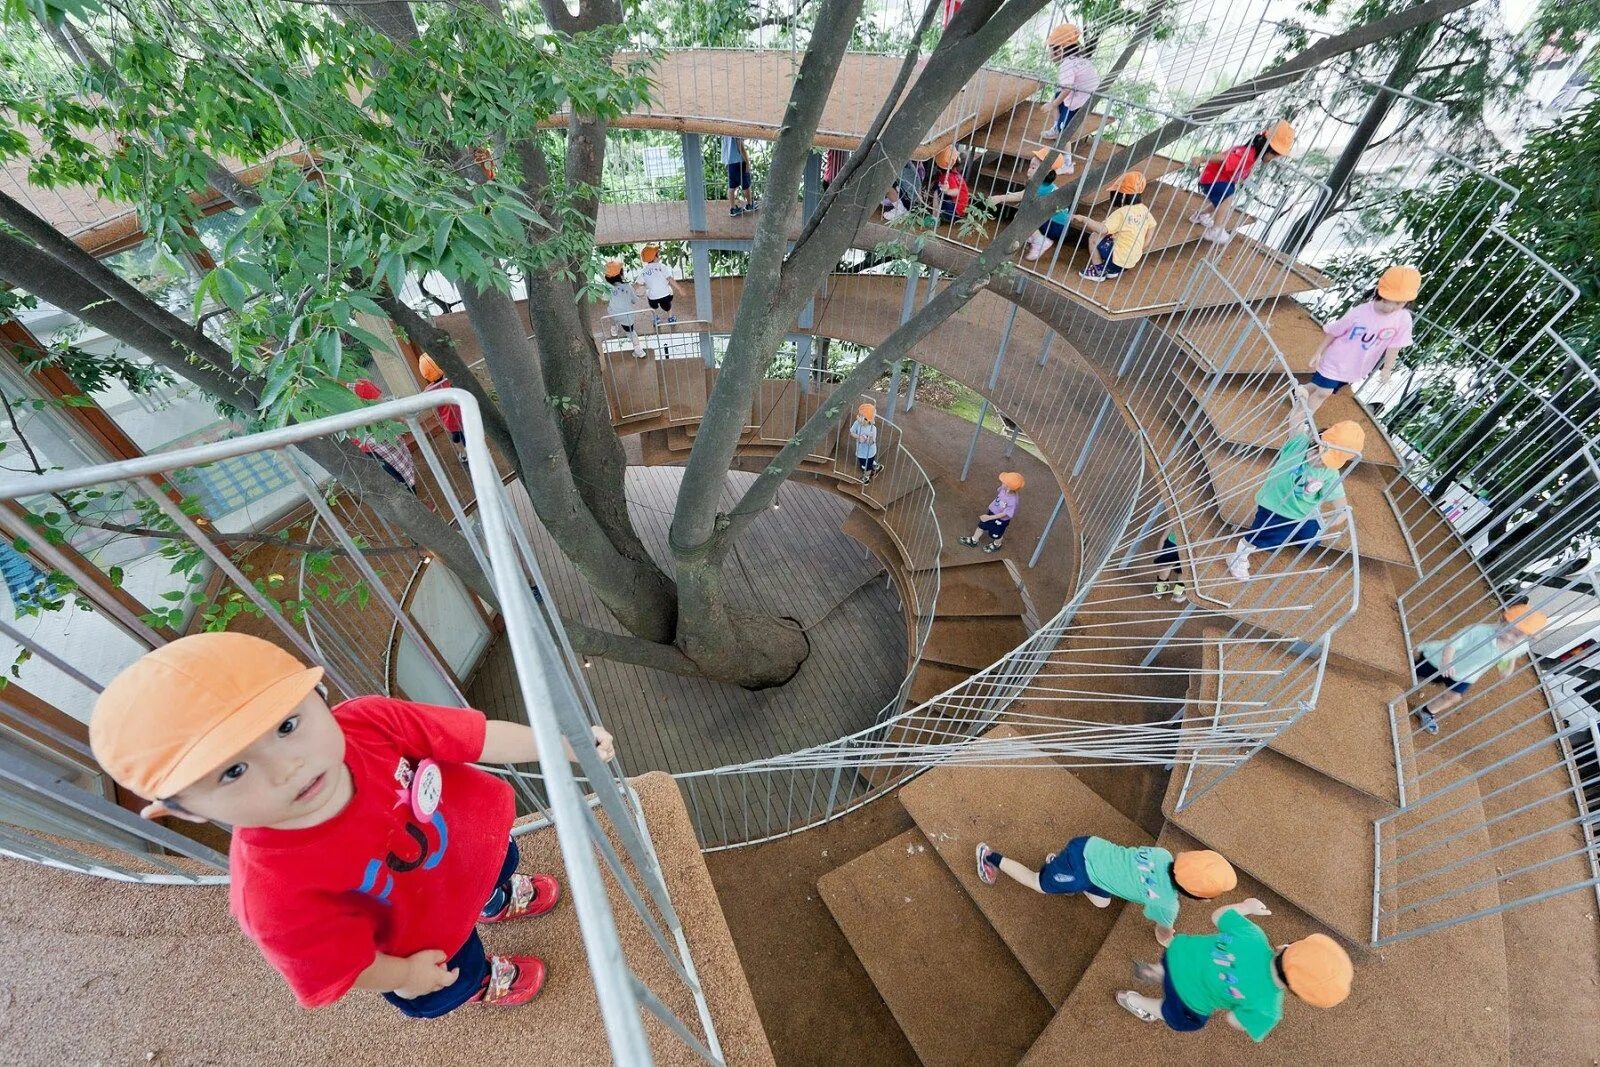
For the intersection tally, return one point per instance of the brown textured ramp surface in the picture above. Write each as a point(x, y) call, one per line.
point(987, 589)
point(97, 971)
point(1024, 813)
point(972, 642)
point(1302, 833)
point(1253, 411)
point(1213, 336)
point(953, 986)
point(1437, 1000)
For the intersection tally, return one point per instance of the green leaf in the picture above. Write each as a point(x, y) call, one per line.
point(233, 292)
point(441, 237)
point(329, 347)
point(278, 378)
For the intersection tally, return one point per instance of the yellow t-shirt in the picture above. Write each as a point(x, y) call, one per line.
point(1130, 229)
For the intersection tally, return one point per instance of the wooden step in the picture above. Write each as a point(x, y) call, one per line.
point(933, 679)
point(1024, 813)
point(1394, 1015)
point(988, 589)
point(773, 410)
point(1297, 830)
point(974, 643)
point(1016, 133)
point(633, 386)
point(1254, 411)
point(684, 384)
point(1230, 340)
point(955, 989)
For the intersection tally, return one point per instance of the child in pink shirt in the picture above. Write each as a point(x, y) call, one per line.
point(1353, 344)
point(1002, 509)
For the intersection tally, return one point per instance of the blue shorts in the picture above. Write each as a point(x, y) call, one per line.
point(1269, 529)
point(470, 962)
point(1426, 671)
point(1327, 383)
point(1168, 556)
point(947, 209)
point(1174, 1012)
point(1053, 229)
point(738, 176)
point(1064, 113)
point(1217, 192)
point(867, 463)
point(1066, 872)
point(1104, 248)
point(995, 528)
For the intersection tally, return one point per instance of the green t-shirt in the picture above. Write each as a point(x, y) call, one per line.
point(1475, 653)
point(1298, 483)
point(1230, 970)
point(1138, 875)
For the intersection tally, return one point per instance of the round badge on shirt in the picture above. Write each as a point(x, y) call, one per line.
point(427, 786)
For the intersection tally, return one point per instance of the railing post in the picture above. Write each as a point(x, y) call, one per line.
point(702, 298)
point(1049, 525)
point(972, 449)
point(911, 389)
point(694, 181)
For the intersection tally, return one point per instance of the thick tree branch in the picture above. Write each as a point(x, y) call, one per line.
point(634, 650)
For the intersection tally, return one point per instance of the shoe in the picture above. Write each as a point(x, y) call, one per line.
point(987, 872)
point(1217, 236)
point(1203, 218)
point(531, 895)
point(462, 459)
point(671, 319)
point(512, 980)
point(754, 205)
point(1092, 273)
point(970, 542)
point(1179, 593)
point(1126, 1001)
point(1162, 589)
point(1037, 246)
point(638, 350)
point(1429, 722)
point(736, 211)
point(1051, 132)
point(896, 212)
point(655, 320)
point(992, 546)
point(1239, 562)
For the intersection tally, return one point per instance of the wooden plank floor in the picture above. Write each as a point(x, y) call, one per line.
point(795, 560)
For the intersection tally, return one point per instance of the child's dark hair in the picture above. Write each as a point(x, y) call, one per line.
point(1124, 199)
point(1066, 49)
point(1172, 873)
point(1260, 146)
point(1277, 967)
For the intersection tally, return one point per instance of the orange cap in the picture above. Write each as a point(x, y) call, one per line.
point(1341, 443)
point(1132, 182)
point(649, 253)
point(1400, 284)
point(366, 389)
point(186, 708)
point(1058, 164)
point(1012, 481)
point(1280, 138)
point(428, 368)
point(945, 158)
point(1063, 35)
point(1203, 873)
point(1318, 970)
point(1526, 619)
point(867, 411)
point(613, 268)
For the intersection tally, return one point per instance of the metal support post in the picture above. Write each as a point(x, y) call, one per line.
point(1005, 342)
point(703, 310)
point(804, 363)
point(894, 391)
point(811, 189)
point(972, 449)
point(1055, 513)
point(1094, 431)
point(1166, 638)
point(1044, 352)
point(1144, 531)
point(911, 390)
point(1133, 348)
point(694, 181)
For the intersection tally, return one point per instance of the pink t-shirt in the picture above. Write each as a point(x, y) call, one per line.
point(1004, 504)
point(1360, 338)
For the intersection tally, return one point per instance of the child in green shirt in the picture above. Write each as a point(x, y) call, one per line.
point(1290, 502)
point(1461, 660)
point(1236, 972)
point(1099, 869)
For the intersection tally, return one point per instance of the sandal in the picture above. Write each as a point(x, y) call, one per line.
point(512, 980)
point(530, 895)
point(1162, 589)
point(970, 542)
point(1125, 1000)
point(986, 870)
point(992, 546)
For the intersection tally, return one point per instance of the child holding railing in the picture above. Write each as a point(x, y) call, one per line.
point(366, 846)
point(1051, 229)
point(951, 192)
point(1170, 567)
point(1123, 236)
point(864, 431)
point(1354, 343)
point(1221, 176)
point(1076, 78)
point(622, 304)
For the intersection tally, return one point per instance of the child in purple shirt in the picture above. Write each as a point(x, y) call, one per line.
point(1002, 509)
point(1353, 344)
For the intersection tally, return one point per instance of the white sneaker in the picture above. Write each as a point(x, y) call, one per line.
point(1051, 132)
point(1203, 218)
point(895, 212)
point(1217, 236)
point(1239, 562)
point(1037, 246)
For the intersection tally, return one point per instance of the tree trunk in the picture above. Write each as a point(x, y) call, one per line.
point(1412, 49)
point(754, 651)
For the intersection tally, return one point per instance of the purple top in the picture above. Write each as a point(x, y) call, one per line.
point(1004, 504)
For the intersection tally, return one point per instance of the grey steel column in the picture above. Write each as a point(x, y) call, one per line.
point(702, 296)
point(972, 449)
point(911, 389)
point(694, 181)
point(1055, 513)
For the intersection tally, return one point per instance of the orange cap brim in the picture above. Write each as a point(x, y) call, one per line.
point(237, 732)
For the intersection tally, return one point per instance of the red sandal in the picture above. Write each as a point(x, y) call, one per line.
point(531, 894)
point(512, 980)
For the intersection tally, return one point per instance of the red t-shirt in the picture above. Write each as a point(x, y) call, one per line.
point(956, 188)
point(323, 901)
point(449, 415)
point(1235, 166)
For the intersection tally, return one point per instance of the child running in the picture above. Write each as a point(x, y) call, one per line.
point(1221, 176)
point(622, 305)
point(864, 431)
point(1076, 78)
point(1170, 567)
point(366, 847)
point(1236, 972)
point(1002, 509)
point(1290, 503)
point(1055, 226)
point(449, 415)
point(1125, 233)
point(1150, 877)
point(659, 284)
point(951, 192)
point(740, 178)
point(1459, 661)
point(1371, 331)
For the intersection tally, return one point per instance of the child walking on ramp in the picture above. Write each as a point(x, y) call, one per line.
point(1355, 342)
point(1002, 509)
point(864, 431)
point(1150, 877)
point(366, 847)
point(1236, 972)
point(1460, 660)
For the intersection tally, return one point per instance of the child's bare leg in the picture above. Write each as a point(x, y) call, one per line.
point(1019, 873)
point(1316, 395)
point(1443, 702)
point(1165, 574)
point(1151, 973)
point(1094, 255)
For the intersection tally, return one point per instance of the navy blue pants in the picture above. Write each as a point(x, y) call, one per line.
point(470, 962)
point(1174, 1012)
point(1269, 529)
point(1067, 873)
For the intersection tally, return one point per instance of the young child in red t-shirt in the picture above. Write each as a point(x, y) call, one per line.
point(449, 415)
point(366, 848)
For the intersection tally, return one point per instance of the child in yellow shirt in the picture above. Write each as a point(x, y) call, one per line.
point(1125, 233)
